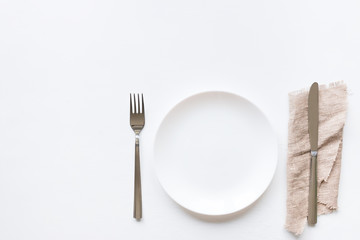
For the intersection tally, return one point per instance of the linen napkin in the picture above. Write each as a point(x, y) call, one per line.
point(332, 114)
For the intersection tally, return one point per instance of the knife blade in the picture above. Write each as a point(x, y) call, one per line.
point(313, 124)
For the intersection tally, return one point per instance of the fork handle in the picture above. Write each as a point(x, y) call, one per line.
point(137, 182)
point(312, 214)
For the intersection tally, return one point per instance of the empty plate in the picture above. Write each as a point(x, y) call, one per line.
point(215, 153)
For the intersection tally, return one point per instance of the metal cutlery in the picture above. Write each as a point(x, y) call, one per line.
point(137, 122)
point(313, 121)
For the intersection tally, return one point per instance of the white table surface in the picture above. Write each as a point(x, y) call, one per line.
point(66, 71)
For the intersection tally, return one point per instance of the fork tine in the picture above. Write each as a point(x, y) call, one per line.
point(142, 104)
point(131, 108)
point(138, 103)
point(134, 101)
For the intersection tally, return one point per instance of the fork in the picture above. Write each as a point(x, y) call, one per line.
point(137, 122)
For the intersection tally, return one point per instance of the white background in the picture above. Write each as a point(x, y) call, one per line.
point(66, 71)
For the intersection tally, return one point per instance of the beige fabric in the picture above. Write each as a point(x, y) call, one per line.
point(332, 114)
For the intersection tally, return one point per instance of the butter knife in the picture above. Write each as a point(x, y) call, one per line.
point(313, 121)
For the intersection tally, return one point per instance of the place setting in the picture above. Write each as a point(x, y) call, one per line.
point(216, 153)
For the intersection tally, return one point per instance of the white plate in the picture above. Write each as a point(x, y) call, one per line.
point(215, 153)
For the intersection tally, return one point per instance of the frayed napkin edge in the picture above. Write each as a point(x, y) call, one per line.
point(322, 86)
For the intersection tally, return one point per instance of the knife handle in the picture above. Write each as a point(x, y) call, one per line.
point(312, 214)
